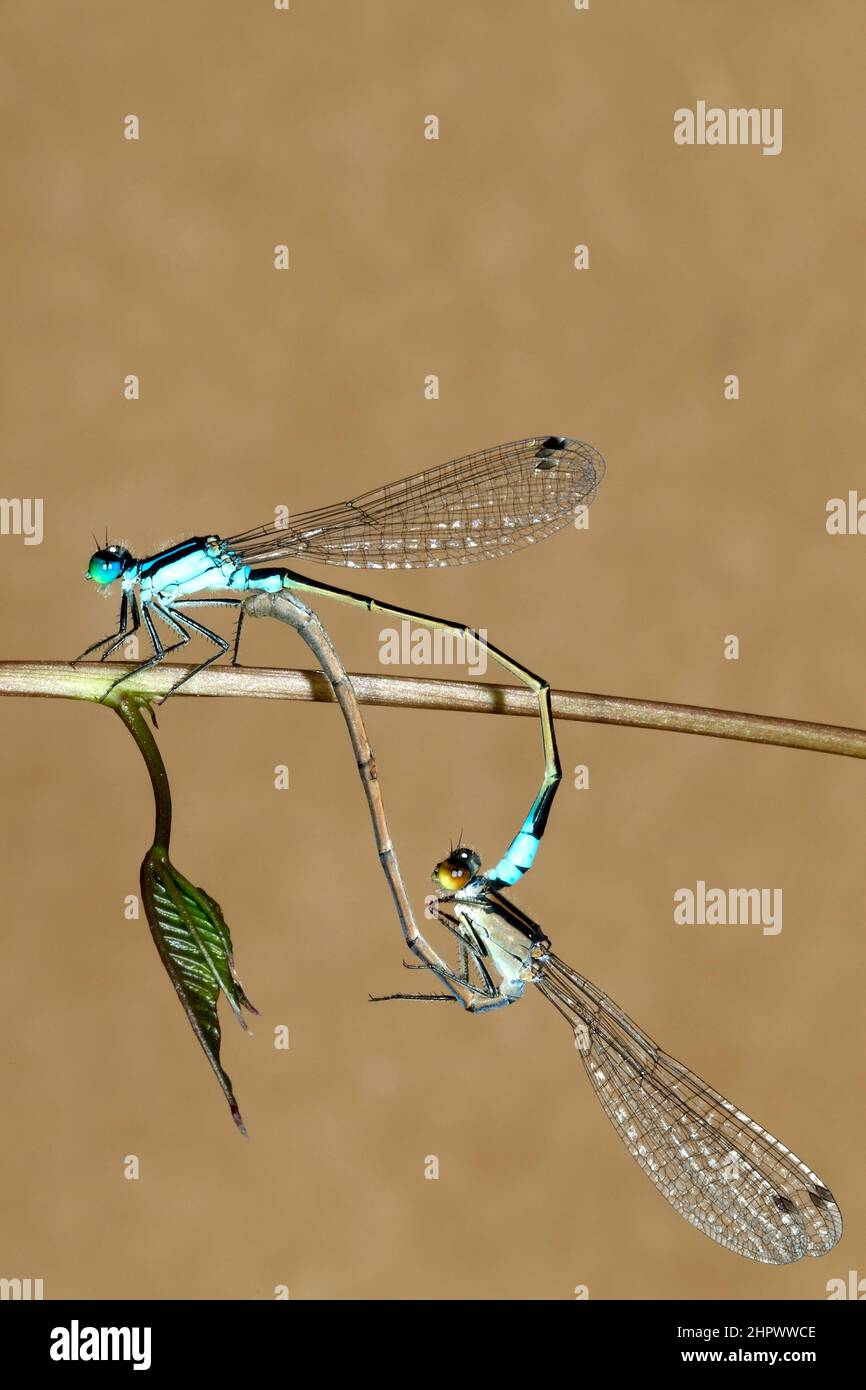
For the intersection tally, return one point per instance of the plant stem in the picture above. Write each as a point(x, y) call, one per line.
point(129, 709)
point(91, 681)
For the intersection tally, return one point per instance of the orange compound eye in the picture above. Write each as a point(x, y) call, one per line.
point(451, 876)
point(457, 870)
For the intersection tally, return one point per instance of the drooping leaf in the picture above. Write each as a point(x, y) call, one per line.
point(195, 947)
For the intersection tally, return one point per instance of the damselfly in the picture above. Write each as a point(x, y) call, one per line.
point(717, 1167)
point(484, 505)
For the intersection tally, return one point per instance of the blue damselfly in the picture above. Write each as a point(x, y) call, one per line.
point(484, 505)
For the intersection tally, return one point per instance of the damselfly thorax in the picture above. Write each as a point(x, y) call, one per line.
point(504, 944)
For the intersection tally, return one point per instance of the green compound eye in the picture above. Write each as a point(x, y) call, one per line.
point(105, 566)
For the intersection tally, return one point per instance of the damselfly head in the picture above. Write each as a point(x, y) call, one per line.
point(108, 564)
point(458, 870)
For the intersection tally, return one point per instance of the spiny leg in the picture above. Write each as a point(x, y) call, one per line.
point(465, 952)
point(484, 973)
point(384, 998)
point(221, 644)
point(216, 603)
point(466, 949)
point(238, 636)
point(207, 603)
point(470, 995)
point(115, 637)
point(159, 651)
point(474, 998)
point(121, 637)
point(462, 976)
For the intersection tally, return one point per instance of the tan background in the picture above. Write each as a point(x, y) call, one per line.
point(411, 257)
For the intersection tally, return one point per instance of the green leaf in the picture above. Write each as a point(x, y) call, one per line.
point(195, 947)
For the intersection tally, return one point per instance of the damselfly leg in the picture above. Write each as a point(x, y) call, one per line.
point(468, 955)
point(169, 616)
point(220, 643)
point(122, 632)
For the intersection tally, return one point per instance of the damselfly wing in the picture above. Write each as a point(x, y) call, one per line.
point(487, 504)
point(715, 1165)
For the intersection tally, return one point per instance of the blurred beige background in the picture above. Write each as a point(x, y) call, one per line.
point(411, 257)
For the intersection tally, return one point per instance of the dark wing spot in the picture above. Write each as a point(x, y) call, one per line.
point(545, 454)
point(822, 1197)
point(785, 1204)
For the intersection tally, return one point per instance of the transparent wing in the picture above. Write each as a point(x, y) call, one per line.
point(718, 1168)
point(473, 508)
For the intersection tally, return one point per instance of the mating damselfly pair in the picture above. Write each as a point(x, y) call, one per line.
point(727, 1175)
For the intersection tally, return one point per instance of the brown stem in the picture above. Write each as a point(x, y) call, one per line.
point(91, 681)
